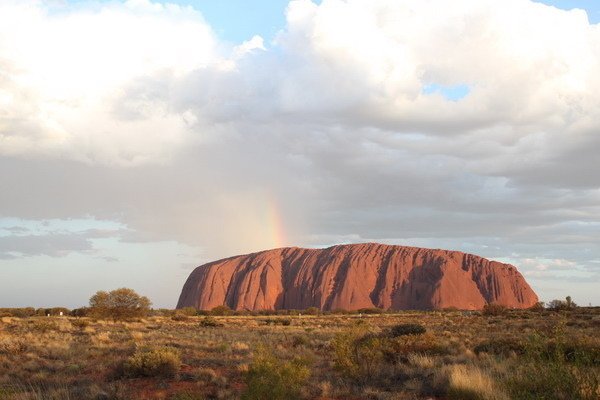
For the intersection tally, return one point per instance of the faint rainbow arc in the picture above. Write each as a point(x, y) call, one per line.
point(275, 223)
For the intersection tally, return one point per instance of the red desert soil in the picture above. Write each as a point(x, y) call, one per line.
point(356, 276)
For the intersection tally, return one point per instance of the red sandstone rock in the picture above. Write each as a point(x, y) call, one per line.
point(355, 276)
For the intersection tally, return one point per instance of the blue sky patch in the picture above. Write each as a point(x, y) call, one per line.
point(453, 93)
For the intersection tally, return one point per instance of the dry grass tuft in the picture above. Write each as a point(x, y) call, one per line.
point(467, 382)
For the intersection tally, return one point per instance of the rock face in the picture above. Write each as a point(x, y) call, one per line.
point(355, 276)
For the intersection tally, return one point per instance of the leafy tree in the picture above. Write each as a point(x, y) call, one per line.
point(120, 303)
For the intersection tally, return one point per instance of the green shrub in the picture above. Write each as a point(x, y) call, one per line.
point(271, 378)
point(357, 352)
point(407, 329)
point(159, 362)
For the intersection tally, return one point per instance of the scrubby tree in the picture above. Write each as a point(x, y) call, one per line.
point(120, 303)
point(559, 305)
point(570, 302)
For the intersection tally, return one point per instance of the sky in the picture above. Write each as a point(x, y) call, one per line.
point(140, 139)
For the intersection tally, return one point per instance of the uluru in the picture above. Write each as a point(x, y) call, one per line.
point(356, 276)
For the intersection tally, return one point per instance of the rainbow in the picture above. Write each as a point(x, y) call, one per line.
point(275, 223)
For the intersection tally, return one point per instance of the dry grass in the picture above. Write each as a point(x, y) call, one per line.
point(467, 382)
point(461, 356)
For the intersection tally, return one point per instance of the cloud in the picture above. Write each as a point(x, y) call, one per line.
point(64, 72)
point(342, 129)
point(54, 238)
point(56, 245)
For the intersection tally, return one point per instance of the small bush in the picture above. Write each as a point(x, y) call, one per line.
point(9, 345)
point(221, 311)
point(399, 348)
point(537, 307)
point(160, 362)
point(312, 311)
point(42, 325)
point(299, 340)
point(80, 323)
point(501, 346)
point(372, 310)
point(189, 311)
point(209, 322)
point(407, 329)
point(179, 317)
point(278, 321)
point(271, 378)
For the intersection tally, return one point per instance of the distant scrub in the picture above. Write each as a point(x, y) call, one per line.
point(501, 346)
point(221, 311)
point(372, 310)
point(562, 305)
point(180, 317)
point(277, 321)
point(25, 312)
point(42, 325)
point(493, 309)
point(80, 323)
point(189, 311)
point(209, 322)
point(407, 329)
